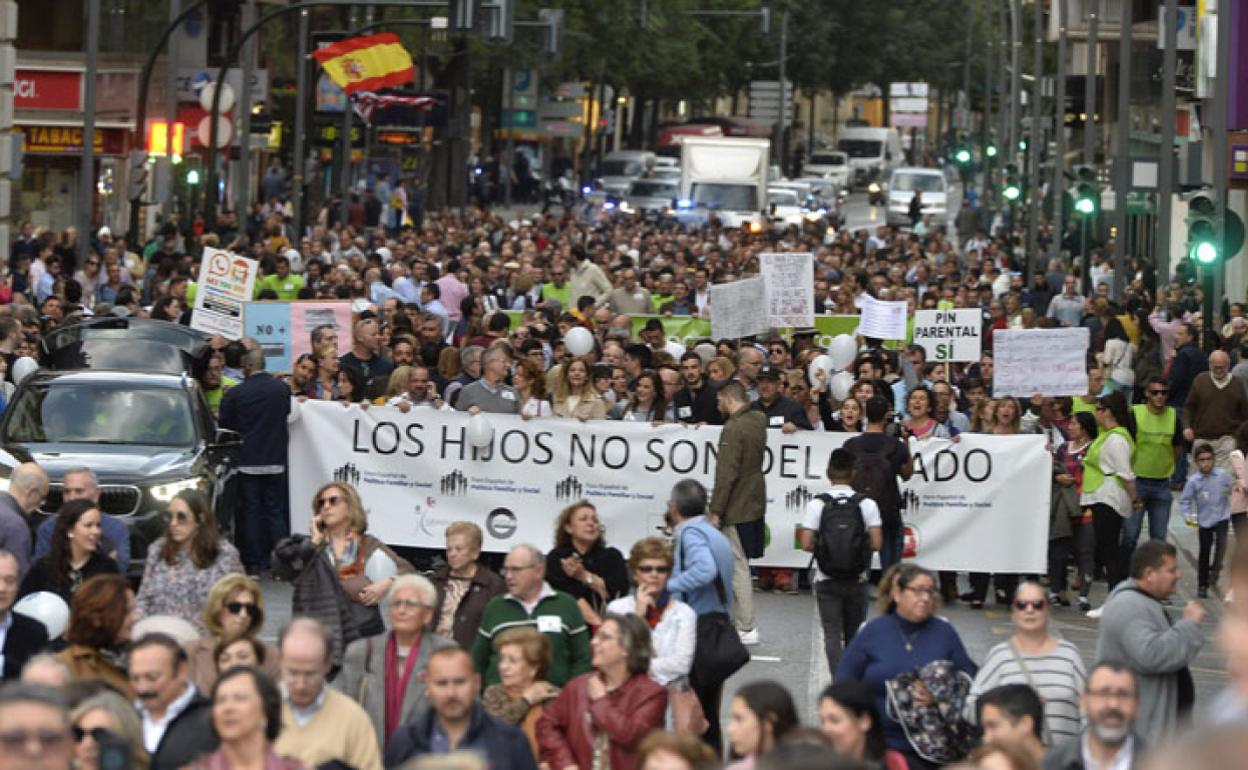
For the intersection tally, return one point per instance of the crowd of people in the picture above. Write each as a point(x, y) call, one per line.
point(582, 654)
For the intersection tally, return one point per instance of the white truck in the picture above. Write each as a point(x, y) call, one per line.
point(726, 176)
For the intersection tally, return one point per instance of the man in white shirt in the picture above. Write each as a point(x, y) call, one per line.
point(176, 717)
point(841, 590)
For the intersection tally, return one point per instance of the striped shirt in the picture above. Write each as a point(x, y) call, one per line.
point(1058, 676)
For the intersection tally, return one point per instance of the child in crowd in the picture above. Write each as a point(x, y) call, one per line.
point(1206, 502)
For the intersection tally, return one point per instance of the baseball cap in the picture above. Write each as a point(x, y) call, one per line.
point(769, 373)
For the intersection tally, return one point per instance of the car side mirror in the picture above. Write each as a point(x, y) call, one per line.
point(226, 439)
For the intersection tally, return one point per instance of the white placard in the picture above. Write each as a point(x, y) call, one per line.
point(979, 504)
point(735, 308)
point(1051, 362)
point(949, 335)
point(226, 281)
point(789, 279)
point(883, 320)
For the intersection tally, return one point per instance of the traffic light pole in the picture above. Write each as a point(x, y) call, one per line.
point(1089, 92)
point(86, 205)
point(1221, 102)
point(1165, 171)
point(1122, 160)
point(301, 124)
point(1035, 198)
point(1059, 129)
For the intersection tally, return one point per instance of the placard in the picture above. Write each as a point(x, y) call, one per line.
point(284, 329)
point(226, 282)
point(735, 308)
point(883, 320)
point(790, 285)
point(949, 335)
point(1050, 362)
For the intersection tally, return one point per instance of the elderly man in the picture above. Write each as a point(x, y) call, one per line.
point(1109, 704)
point(319, 724)
point(28, 486)
point(530, 601)
point(1216, 405)
point(176, 717)
point(490, 393)
point(35, 726)
point(20, 637)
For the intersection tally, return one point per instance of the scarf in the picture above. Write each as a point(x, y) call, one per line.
point(654, 613)
point(396, 682)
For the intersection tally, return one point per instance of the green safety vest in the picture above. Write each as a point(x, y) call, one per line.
point(1077, 405)
point(1093, 476)
point(1154, 450)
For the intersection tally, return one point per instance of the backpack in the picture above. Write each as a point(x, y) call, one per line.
point(874, 478)
point(842, 547)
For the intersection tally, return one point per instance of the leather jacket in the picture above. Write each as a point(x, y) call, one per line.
point(565, 732)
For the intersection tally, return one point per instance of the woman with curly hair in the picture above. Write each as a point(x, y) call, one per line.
point(582, 565)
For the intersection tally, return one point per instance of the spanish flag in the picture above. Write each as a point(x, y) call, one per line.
point(367, 63)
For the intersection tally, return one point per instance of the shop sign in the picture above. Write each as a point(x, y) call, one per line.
point(63, 140)
point(47, 90)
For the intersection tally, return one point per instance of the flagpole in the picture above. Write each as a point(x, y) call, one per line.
point(301, 120)
point(345, 180)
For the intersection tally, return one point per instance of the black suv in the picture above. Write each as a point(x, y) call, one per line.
point(120, 397)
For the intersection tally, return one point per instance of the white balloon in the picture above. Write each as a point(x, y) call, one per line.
point(820, 364)
point(24, 367)
point(380, 566)
point(579, 341)
point(842, 383)
point(47, 608)
point(480, 431)
point(843, 350)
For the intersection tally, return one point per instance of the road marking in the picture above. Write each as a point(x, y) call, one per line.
point(765, 658)
point(818, 667)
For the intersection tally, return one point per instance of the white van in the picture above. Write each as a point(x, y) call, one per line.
point(620, 168)
point(930, 183)
point(873, 152)
point(832, 164)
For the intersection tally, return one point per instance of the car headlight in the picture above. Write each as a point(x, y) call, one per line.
point(755, 227)
point(166, 492)
point(873, 187)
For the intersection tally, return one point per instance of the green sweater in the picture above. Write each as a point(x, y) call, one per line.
point(569, 643)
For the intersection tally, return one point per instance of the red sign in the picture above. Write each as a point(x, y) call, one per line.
point(47, 90)
point(67, 140)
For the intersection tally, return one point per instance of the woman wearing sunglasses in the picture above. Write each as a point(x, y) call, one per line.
point(186, 562)
point(1034, 657)
point(106, 717)
point(234, 610)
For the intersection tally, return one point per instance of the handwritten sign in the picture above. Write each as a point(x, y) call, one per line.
point(226, 281)
point(949, 335)
point(1051, 362)
point(735, 308)
point(883, 320)
point(790, 288)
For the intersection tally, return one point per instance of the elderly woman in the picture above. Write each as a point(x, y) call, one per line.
point(582, 565)
point(384, 673)
point(364, 566)
point(1034, 657)
point(906, 636)
point(234, 609)
point(464, 585)
point(186, 562)
point(74, 556)
point(601, 717)
point(673, 624)
point(101, 617)
point(521, 696)
point(106, 716)
point(246, 718)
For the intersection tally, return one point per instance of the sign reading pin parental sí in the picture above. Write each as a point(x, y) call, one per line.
point(949, 335)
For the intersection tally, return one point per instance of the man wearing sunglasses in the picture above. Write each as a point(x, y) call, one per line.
point(1158, 444)
point(34, 729)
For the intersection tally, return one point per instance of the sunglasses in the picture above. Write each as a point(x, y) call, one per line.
point(98, 734)
point(1035, 604)
point(331, 500)
point(651, 569)
point(179, 516)
point(237, 608)
point(1161, 392)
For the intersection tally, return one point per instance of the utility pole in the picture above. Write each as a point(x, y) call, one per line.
point(1016, 50)
point(964, 116)
point(171, 115)
point(1122, 162)
point(1035, 197)
point(344, 181)
point(784, 101)
point(989, 100)
point(242, 185)
point(1089, 89)
point(1059, 128)
point(1221, 106)
point(510, 112)
point(1165, 171)
point(301, 124)
point(86, 186)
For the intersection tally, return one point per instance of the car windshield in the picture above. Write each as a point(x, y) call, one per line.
point(100, 413)
point(827, 160)
point(622, 168)
point(730, 197)
point(653, 189)
point(782, 197)
point(861, 148)
point(920, 182)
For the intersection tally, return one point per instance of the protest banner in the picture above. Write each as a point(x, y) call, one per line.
point(949, 335)
point(226, 281)
point(790, 298)
point(883, 320)
point(1051, 362)
point(735, 308)
point(979, 504)
point(284, 329)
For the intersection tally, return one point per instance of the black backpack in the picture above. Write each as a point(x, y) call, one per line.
point(874, 477)
point(842, 545)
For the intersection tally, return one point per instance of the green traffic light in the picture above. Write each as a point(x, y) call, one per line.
point(991, 152)
point(1205, 253)
point(1011, 192)
point(963, 156)
point(192, 176)
point(1022, 145)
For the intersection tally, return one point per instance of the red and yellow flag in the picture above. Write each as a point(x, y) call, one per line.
point(367, 63)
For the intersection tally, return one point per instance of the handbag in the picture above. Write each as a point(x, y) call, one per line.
point(719, 652)
point(687, 715)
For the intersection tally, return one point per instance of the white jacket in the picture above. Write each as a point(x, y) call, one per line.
point(1117, 359)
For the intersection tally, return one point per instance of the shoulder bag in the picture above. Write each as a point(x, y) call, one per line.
point(719, 652)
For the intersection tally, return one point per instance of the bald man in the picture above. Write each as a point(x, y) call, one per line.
point(28, 486)
point(1216, 405)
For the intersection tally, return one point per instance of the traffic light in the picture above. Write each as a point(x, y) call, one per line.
point(136, 176)
point(192, 176)
point(962, 156)
point(1023, 142)
point(552, 33)
point(499, 17)
point(990, 151)
point(1085, 194)
point(1012, 187)
point(1202, 228)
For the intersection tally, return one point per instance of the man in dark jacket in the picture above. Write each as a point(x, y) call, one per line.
point(1109, 703)
point(258, 409)
point(25, 637)
point(739, 499)
point(176, 717)
point(781, 411)
point(1189, 360)
point(696, 401)
point(455, 721)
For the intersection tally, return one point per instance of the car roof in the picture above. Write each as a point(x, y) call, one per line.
point(127, 344)
point(120, 379)
point(919, 171)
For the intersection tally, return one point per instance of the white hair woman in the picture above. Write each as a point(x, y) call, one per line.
point(383, 673)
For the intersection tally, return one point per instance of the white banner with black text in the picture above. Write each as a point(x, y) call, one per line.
point(981, 503)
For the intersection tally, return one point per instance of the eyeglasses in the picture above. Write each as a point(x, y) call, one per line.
point(407, 605)
point(511, 570)
point(98, 734)
point(14, 741)
point(921, 591)
point(1035, 604)
point(179, 516)
point(331, 500)
point(237, 608)
point(1158, 392)
point(652, 569)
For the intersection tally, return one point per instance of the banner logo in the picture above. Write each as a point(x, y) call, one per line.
point(348, 474)
point(797, 499)
point(501, 524)
point(454, 484)
point(569, 489)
